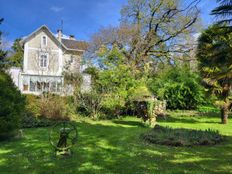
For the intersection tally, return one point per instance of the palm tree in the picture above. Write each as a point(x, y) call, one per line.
point(223, 11)
point(214, 54)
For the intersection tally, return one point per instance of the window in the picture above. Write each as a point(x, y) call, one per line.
point(32, 86)
point(46, 86)
point(59, 85)
point(53, 87)
point(43, 86)
point(43, 62)
point(44, 41)
point(39, 86)
point(25, 87)
point(25, 83)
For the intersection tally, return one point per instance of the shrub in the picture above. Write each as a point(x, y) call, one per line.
point(42, 111)
point(29, 121)
point(112, 105)
point(53, 107)
point(31, 118)
point(114, 84)
point(179, 87)
point(32, 105)
point(182, 96)
point(139, 93)
point(90, 103)
point(181, 137)
point(12, 105)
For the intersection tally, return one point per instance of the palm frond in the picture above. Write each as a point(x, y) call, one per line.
point(225, 74)
point(210, 70)
point(224, 1)
point(213, 85)
point(224, 10)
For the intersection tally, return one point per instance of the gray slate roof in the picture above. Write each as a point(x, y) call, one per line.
point(75, 44)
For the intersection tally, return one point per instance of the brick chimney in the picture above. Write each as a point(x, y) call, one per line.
point(72, 37)
point(59, 34)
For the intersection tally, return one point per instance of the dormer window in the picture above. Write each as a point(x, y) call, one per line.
point(44, 41)
point(43, 61)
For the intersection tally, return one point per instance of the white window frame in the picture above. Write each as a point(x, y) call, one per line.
point(46, 40)
point(43, 54)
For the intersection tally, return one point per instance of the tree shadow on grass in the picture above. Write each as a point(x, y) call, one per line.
point(198, 117)
point(129, 123)
point(195, 120)
point(107, 148)
point(176, 119)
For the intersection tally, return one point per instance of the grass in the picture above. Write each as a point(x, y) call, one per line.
point(115, 147)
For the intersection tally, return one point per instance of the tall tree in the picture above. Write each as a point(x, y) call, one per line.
point(223, 11)
point(151, 31)
point(17, 56)
point(215, 64)
point(12, 104)
point(2, 52)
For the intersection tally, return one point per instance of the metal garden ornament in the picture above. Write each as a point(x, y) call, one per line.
point(62, 137)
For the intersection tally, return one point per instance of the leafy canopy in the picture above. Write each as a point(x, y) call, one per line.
point(17, 58)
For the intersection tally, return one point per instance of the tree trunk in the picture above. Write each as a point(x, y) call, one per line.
point(224, 113)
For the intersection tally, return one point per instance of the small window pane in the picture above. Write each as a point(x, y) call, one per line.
point(53, 87)
point(59, 85)
point(46, 86)
point(43, 61)
point(39, 86)
point(32, 86)
point(25, 87)
point(44, 40)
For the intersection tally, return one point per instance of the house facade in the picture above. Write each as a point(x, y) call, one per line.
point(46, 57)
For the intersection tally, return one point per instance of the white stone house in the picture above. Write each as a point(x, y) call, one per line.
point(46, 56)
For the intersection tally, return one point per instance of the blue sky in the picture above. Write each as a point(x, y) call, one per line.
point(81, 17)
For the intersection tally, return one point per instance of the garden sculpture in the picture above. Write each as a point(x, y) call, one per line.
point(62, 137)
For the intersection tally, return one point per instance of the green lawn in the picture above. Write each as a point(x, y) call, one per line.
point(115, 147)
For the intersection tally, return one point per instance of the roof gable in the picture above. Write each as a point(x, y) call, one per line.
point(45, 29)
point(67, 44)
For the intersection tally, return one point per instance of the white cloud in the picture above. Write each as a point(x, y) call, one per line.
point(56, 9)
point(196, 36)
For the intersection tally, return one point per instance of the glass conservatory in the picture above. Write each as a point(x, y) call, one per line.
point(38, 84)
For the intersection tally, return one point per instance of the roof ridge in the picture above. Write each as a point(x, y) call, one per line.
point(74, 40)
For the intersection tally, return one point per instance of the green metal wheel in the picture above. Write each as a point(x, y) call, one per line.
point(63, 136)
